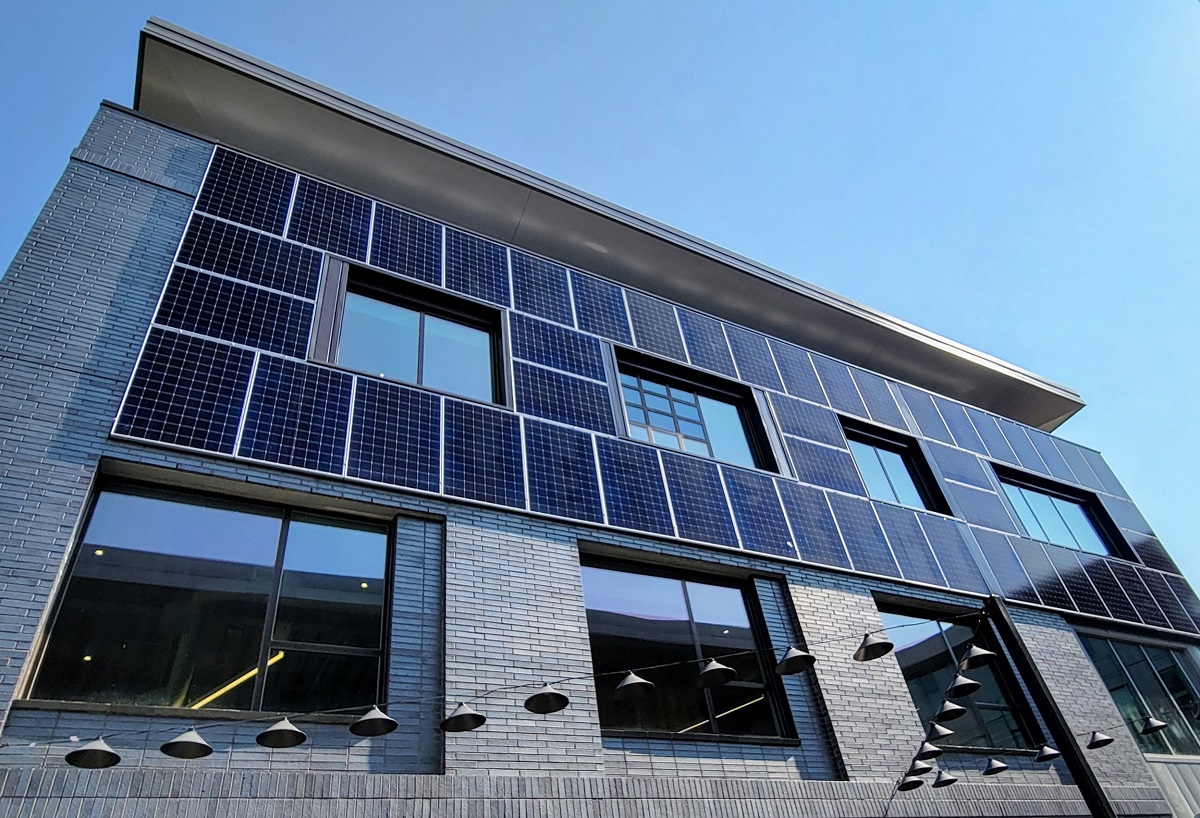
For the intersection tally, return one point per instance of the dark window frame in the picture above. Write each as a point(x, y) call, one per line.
point(1106, 530)
point(910, 451)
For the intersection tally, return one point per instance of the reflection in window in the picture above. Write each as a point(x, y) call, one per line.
point(1055, 519)
point(890, 470)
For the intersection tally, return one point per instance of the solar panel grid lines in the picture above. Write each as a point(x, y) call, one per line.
point(1022, 447)
point(541, 288)
point(1074, 577)
point(963, 432)
point(1185, 595)
point(983, 508)
point(839, 386)
point(1103, 473)
point(948, 539)
point(1150, 551)
point(913, 553)
point(477, 267)
point(248, 255)
point(350, 427)
point(247, 191)
point(993, 439)
point(557, 347)
point(482, 454)
point(960, 466)
point(706, 343)
point(1138, 594)
point(876, 394)
point(1108, 587)
point(655, 326)
point(824, 466)
point(331, 218)
point(1051, 456)
point(807, 420)
point(758, 513)
point(697, 500)
point(753, 357)
point(1084, 475)
point(1176, 614)
point(810, 517)
point(1006, 568)
point(523, 441)
point(600, 308)
point(861, 532)
point(796, 368)
point(395, 436)
point(929, 421)
point(552, 395)
point(635, 495)
point(406, 244)
point(561, 472)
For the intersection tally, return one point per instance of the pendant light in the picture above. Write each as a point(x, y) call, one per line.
point(928, 751)
point(918, 767)
point(715, 674)
point(373, 723)
point(1047, 753)
point(938, 731)
point(976, 657)
point(944, 779)
point(873, 646)
point(1152, 725)
point(281, 735)
point(949, 711)
point(547, 700)
point(463, 718)
point(1097, 740)
point(632, 687)
point(909, 783)
point(189, 745)
point(95, 755)
point(994, 767)
point(962, 686)
point(795, 661)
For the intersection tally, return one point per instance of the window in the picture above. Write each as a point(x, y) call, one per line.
point(1146, 680)
point(637, 620)
point(1055, 518)
point(186, 601)
point(929, 653)
point(892, 469)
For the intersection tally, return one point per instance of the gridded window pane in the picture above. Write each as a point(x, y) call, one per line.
point(1055, 519)
point(457, 359)
point(379, 338)
point(1156, 697)
point(304, 681)
point(1124, 695)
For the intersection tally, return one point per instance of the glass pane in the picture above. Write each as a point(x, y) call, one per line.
point(872, 471)
point(303, 681)
point(636, 415)
point(667, 439)
point(1081, 527)
point(901, 478)
point(457, 359)
point(661, 404)
point(639, 433)
point(1052, 523)
point(743, 711)
point(661, 421)
point(632, 396)
point(1122, 693)
point(655, 388)
point(1172, 675)
point(683, 395)
point(1156, 697)
point(691, 429)
point(724, 628)
point(726, 432)
point(1017, 497)
point(379, 338)
point(629, 380)
point(685, 411)
point(696, 447)
point(924, 659)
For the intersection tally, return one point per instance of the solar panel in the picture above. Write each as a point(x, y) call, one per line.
point(981, 507)
point(759, 517)
point(948, 538)
point(823, 466)
point(188, 392)
point(698, 500)
point(1084, 475)
point(1186, 596)
point(600, 308)
point(753, 358)
point(407, 244)
point(1125, 514)
point(960, 425)
point(1076, 579)
point(562, 472)
point(1103, 473)
point(224, 309)
point(655, 328)
point(817, 537)
point(477, 267)
point(1051, 456)
point(1022, 447)
point(540, 288)
point(634, 493)
point(247, 191)
point(706, 343)
point(993, 439)
point(255, 257)
point(839, 386)
point(331, 218)
point(929, 422)
point(863, 537)
point(1106, 585)
point(796, 368)
point(881, 404)
point(396, 434)
point(1139, 595)
point(1175, 613)
point(912, 550)
point(547, 394)
point(482, 454)
point(557, 347)
point(1005, 566)
point(1150, 551)
point(964, 467)
point(808, 421)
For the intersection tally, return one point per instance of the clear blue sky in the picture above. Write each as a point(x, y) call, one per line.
point(1021, 177)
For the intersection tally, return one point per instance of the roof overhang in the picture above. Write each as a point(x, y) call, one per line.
point(203, 87)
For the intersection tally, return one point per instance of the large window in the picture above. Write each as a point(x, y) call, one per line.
point(185, 601)
point(892, 469)
point(639, 620)
point(1055, 518)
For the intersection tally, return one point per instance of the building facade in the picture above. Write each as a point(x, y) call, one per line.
point(307, 410)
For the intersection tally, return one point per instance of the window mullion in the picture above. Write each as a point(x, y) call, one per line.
point(264, 651)
point(696, 646)
point(421, 347)
point(887, 475)
point(1183, 719)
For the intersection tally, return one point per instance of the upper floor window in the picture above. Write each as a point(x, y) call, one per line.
point(892, 469)
point(1055, 518)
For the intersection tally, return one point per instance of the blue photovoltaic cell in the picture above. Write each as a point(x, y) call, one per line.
point(881, 404)
point(330, 218)
point(557, 347)
point(960, 425)
point(1051, 456)
point(1021, 446)
point(993, 439)
point(477, 267)
point(955, 464)
point(1075, 578)
point(600, 308)
point(1186, 596)
point(839, 386)
point(823, 466)
point(1103, 473)
point(706, 344)
point(929, 422)
point(817, 537)
point(396, 435)
point(799, 377)
point(753, 358)
point(633, 487)
point(808, 421)
point(564, 398)
point(298, 415)
point(188, 392)
point(908, 541)
point(250, 256)
point(863, 537)
point(1125, 514)
point(1138, 594)
point(1106, 585)
point(1084, 475)
point(655, 328)
point(1151, 551)
point(981, 507)
point(1005, 566)
point(540, 288)
point(949, 541)
point(224, 309)
point(483, 454)
point(562, 472)
point(756, 508)
point(1166, 600)
point(247, 191)
point(407, 244)
point(698, 500)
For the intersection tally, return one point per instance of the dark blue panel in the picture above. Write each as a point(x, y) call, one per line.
point(706, 342)
point(1051, 456)
point(331, 218)
point(224, 309)
point(1022, 447)
point(808, 421)
point(298, 415)
point(1125, 514)
point(1151, 551)
point(1075, 578)
point(540, 288)
point(981, 508)
point(863, 537)
point(1166, 600)
point(483, 454)
point(407, 244)
point(1138, 594)
point(477, 267)
point(255, 257)
point(960, 425)
point(759, 517)
point(562, 472)
point(823, 466)
point(909, 544)
point(955, 464)
point(878, 397)
point(600, 308)
point(1041, 571)
point(1186, 596)
point(547, 394)
point(698, 500)
point(655, 328)
point(993, 439)
point(556, 346)
point(187, 392)
point(247, 191)
point(949, 541)
point(799, 377)
point(817, 537)
point(929, 421)
point(839, 386)
point(1103, 473)
point(1084, 475)
point(753, 358)
point(396, 436)
point(1106, 585)
point(633, 487)
point(1005, 566)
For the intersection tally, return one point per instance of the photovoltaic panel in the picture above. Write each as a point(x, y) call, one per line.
point(808, 421)
point(981, 507)
point(839, 386)
point(863, 537)
point(960, 425)
point(1103, 473)
point(477, 267)
point(654, 326)
point(297, 415)
point(331, 218)
point(247, 191)
point(1125, 514)
point(633, 487)
point(1139, 595)
point(250, 256)
point(1151, 551)
point(759, 517)
point(949, 541)
point(963, 467)
point(993, 438)
point(600, 308)
point(881, 404)
point(929, 422)
point(698, 500)
point(1084, 475)
point(562, 472)
point(564, 398)
point(540, 288)
point(396, 435)
point(1005, 566)
point(1166, 600)
point(908, 541)
point(1106, 585)
point(1186, 596)
point(229, 311)
point(482, 459)
point(817, 537)
point(753, 358)
point(706, 343)
point(1070, 570)
point(799, 378)
point(407, 244)
point(1051, 456)
point(1022, 447)
point(188, 392)
point(557, 347)
point(823, 466)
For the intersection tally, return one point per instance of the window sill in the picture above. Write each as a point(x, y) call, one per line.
point(655, 735)
point(989, 751)
point(145, 710)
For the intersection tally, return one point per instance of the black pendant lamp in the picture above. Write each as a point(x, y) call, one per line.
point(873, 646)
point(715, 674)
point(994, 767)
point(928, 751)
point(1152, 725)
point(463, 718)
point(949, 711)
point(373, 723)
point(1047, 753)
point(95, 755)
point(188, 746)
point(1097, 740)
point(918, 767)
point(795, 661)
point(909, 783)
point(547, 700)
point(632, 687)
point(944, 779)
point(281, 735)
point(962, 686)
point(938, 731)
point(976, 657)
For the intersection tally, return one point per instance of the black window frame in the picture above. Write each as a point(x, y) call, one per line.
point(1106, 530)
point(909, 450)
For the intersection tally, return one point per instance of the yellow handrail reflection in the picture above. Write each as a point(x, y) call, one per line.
point(240, 680)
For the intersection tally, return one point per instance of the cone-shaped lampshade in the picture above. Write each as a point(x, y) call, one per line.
point(873, 646)
point(962, 686)
point(1097, 740)
point(715, 674)
point(1152, 725)
point(909, 783)
point(187, 746)
point(1047, 753)
point(994, 767)
point(373, 723)
point(795, 661)
point(632, 687)
point(546, 700)
point(919, 767)
point(928, 751)
point(976, 657)
point(944, 779)
point(281, 735)
point(95, 755)
point(463, 718)
point(949, 711)
point(938, 731)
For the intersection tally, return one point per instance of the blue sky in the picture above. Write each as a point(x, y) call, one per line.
point(1022, 178)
